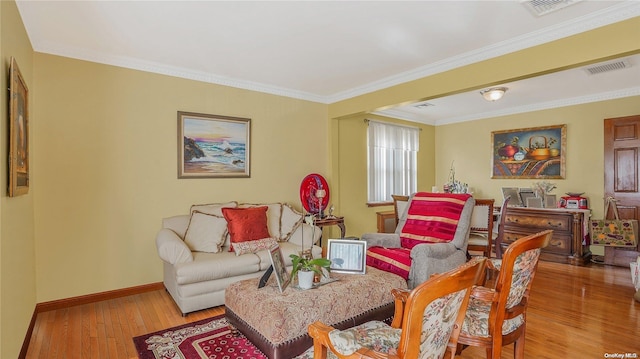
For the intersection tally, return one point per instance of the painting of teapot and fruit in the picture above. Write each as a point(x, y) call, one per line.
point(537, 152)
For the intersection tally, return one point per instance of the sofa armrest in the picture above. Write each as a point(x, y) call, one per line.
point(432, 258)
point(172, 248)
point(389, 240)
point(430, 251)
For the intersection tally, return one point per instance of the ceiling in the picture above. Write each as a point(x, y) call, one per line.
point(327, 51)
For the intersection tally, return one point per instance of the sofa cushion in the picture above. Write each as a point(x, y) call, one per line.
point(213, 208)
point(206, 232)
point(290, 220)
point(212, 266)
point(246, 224)
point(254, 246)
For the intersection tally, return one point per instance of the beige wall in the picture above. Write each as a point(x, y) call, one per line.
point(103, 151)
point(468, 145)
point(17, 258)
point(107, 172)
point(351, 170)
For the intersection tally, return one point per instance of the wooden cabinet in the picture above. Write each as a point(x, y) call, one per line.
point(566, 245)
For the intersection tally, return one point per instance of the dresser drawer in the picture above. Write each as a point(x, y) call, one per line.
point(557, 223)
point(560, 243)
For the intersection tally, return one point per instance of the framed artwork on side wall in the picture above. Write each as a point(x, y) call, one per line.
point(213, 146)
point(537, 152)
point(18, 132)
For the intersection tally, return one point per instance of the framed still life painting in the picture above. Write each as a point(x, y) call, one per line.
point(537, 152)
point(18, 132)
point(212, 146)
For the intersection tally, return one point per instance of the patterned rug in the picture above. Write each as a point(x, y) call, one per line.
point(209, 338)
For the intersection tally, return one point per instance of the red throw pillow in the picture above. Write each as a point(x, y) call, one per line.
point(246, 224)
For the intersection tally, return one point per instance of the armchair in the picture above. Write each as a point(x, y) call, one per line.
point(442, 236)
point(426, 323)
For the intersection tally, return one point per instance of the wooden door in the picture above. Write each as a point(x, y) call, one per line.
point(621, 169)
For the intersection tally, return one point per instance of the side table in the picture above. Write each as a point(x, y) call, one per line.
point(332, 221)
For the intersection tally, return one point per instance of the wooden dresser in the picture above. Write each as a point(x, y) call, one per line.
point(566, 245)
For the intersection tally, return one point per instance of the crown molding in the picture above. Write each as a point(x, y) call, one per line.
point(604, 96)
point(163, 69)
point(613, 14)
point(608, 16)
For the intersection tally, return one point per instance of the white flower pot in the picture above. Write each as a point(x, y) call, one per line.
point(305, 279)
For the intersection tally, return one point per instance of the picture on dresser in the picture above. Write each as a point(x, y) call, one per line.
point(514, 196)
point(536, 152)
point(550, 201)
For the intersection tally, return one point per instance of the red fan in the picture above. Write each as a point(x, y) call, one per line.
point(311, 186)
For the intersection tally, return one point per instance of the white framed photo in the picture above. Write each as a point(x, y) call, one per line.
point(347, 255)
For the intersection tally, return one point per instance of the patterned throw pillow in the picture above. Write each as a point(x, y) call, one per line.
point(432, 218)
point(246, 224)
point(253, 246)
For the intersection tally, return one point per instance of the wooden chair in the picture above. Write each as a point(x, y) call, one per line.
point(497, 247)
point(399, 205)
point(481, 235)
point(427, 321)
point(497, 316)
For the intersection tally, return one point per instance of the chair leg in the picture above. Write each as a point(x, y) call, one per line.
point(319, 350)
point(518, 346)
point(494, 352)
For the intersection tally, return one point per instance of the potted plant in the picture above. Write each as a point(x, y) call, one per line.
point(306, 268)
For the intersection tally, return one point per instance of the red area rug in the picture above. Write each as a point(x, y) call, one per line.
point(209, 338)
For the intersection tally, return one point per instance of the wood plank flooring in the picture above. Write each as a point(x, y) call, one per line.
point(574, 312)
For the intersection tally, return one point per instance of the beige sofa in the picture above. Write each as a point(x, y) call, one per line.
point(195, 250)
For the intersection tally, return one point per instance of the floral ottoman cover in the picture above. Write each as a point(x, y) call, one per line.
point(277, 322)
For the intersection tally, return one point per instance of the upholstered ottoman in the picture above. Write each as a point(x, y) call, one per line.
point(277, 322)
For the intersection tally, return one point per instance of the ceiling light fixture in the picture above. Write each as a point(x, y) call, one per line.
point(494, 93)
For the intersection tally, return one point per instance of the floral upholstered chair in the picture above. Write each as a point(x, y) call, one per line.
point(426, 322)
point(497, 316)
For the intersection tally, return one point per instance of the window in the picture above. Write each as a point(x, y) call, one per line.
point(392, 160)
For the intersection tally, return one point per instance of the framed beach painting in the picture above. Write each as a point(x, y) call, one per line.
point(211, 146)
point(18, 132)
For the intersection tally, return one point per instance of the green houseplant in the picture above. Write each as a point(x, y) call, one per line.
point(307, 267)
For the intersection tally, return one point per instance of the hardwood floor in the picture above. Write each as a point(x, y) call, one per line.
point(574, 312)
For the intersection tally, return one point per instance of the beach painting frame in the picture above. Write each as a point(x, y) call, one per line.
point(18, 132)
point(213, 146)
